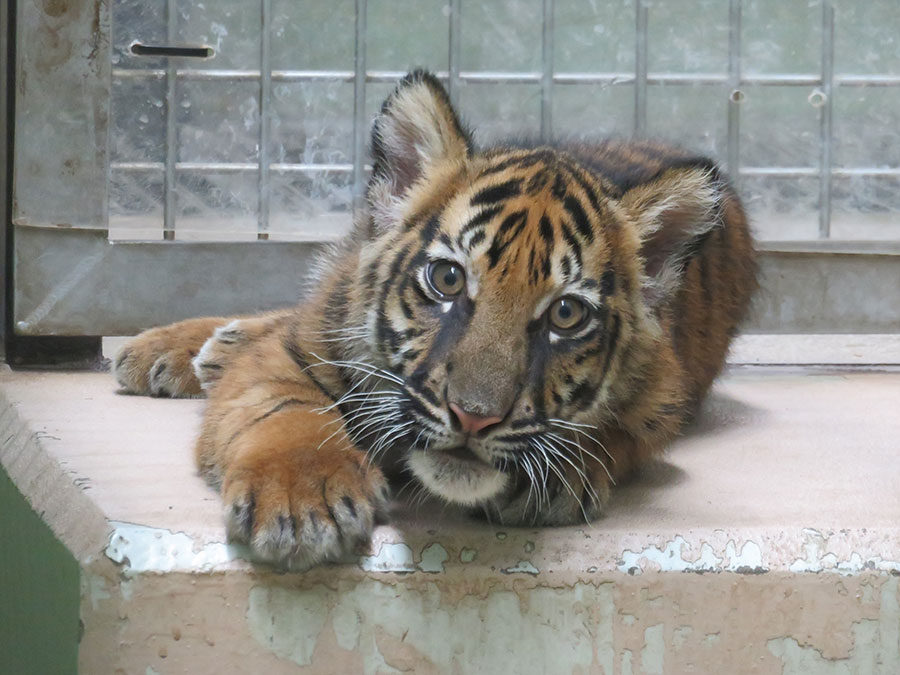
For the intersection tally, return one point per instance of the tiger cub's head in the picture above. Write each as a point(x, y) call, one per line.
point(506, 294)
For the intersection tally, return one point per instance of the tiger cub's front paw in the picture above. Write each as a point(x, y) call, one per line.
point(158, 361)
point(299, 509)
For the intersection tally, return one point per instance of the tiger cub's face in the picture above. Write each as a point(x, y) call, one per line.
point(501, 308)
point(500, 291)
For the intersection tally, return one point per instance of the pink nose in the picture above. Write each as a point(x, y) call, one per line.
point(471, 423)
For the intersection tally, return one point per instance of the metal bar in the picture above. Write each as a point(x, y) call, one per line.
point(230, 167)
point(265, 99)
point(359, 105)
point(825, 129)
point(785, 79)
point(547, 75)
point(277, 167)
point(735, 95)
point(373, 76)
point(171, 130)
point(777, 171)
point(640, 68)
point(453, 57)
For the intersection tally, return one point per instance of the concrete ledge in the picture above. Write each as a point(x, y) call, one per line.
point(767, 541)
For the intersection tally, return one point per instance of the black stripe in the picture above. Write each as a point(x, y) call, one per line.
point(608, 283)
point(587, 187)
point(583, 395)
point(300, 359)
point(611, 345)
point(573, 243)
point(278, 408)
point(418, 407)
point(498, 193)
point(509, 229)
point(573, 206)
point(476, 239)
point(480, 219)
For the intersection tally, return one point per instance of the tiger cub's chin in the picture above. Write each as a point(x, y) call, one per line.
point(458, 480)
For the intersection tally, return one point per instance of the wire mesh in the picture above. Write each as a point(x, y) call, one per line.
point(267, 138)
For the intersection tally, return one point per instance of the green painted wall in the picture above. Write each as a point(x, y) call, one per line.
point(39, 592)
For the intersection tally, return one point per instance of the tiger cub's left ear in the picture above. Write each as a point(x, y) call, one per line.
point(416, 128)
point(674, 213)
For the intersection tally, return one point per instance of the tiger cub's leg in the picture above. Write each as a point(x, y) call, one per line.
point(184, 358)
point(294, 487)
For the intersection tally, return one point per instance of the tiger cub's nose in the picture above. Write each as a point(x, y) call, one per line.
point(470, 423)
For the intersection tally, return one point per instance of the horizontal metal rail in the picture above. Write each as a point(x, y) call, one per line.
point(242, 167)
point(503, 77)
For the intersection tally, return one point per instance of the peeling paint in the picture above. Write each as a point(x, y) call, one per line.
point(670, 559)
point(93, 587)
point(391, 557)
point(467, 555)
point(150, 549)
point(652, 655)
point(433, 558)
point(818, 559)
point(521, 567)
point(286, 622)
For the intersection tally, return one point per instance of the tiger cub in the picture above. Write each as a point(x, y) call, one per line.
point(517, 328)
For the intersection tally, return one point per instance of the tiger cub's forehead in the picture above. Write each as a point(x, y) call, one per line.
point(528, 221)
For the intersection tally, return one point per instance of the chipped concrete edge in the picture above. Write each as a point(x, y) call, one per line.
point(141, 549)
point(51, 491)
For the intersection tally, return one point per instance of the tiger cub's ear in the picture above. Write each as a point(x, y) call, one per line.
point(675, 212)
point(416, 128)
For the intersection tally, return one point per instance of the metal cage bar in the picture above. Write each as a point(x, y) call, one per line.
point(359, 103)
point(547, 79)
point(171, 128)
point(265, 118)
point(547, 74)
point(454, 49)
point(640, 67)
point(735, 96)
point(825, 129)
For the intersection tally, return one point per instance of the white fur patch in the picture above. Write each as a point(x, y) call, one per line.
point(457, 481)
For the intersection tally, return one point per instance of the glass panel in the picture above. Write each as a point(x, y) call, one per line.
point(136, 204)
point(213, 206)
point(312, 35)
point(312, 123)
point(499, 112)
point(141, 21)
point(138, 119)
point(502, 35)
point(779, 127)
point(218, 121)
point(687, 36)
point(593, 111)
point(310, 205)
point(782, 209)
point(867, 37)
point(781, 37)
point(420, 38)
point(231, 27)
point(866, 207)
point(866, 123)
point(594, 36)
point(691, 116)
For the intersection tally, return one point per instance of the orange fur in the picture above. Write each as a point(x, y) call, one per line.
point(649, 242)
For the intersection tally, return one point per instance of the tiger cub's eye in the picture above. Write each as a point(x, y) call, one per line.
point(446, 278)
point(567, 314)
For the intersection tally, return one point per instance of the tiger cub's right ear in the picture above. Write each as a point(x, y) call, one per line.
point(416, 128)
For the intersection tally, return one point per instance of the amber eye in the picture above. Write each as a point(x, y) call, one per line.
point(567, 314)
point(446, 278)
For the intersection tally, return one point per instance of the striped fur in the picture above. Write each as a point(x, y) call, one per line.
point(306, 404)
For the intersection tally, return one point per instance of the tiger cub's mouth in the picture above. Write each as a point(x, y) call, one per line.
point(457, 474)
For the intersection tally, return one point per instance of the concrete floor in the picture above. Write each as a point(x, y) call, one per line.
point(783, 498)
